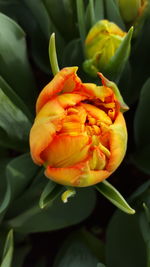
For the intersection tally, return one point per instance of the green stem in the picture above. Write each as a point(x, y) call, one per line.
point(53, 55)
point(81, 19)
point(92, 13)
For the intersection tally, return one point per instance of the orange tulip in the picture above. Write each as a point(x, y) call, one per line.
point(79, 133)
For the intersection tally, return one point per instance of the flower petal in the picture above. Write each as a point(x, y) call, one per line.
point(66, 150)
point(41, 135)
point(97, 113)
point(118, 143)
point(66, 176)
point(63, 80)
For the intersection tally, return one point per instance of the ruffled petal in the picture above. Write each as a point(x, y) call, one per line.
point(118, 143)
point(41, 135)
point(97, 113)
point(65, 80)
point(78, 176)
point(70, 100)
point(66, 176)
point(65, 150)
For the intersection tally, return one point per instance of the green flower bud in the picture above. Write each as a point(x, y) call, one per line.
point(101, 44)
point(131, 9)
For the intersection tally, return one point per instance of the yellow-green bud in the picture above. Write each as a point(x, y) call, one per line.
point(101, 44)
point(131, 9)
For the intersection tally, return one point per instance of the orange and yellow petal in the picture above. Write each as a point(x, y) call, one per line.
point(70, 100)
point(65, 176)
point(41, 134)
point(65, 80)
point(97, 113)
point(66, 150)
point(118, 143)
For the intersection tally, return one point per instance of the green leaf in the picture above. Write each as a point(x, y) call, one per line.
point(141, 125)
point(81, 19)
point(141, 159)
point(117, 63)
point(4, 198)
point(110, 192)
point(53, 55)
point(99, 10)
point(8, 91)
point(14, 125)
point(58, 10)
point(73, 54)
point(124, 243)
point(40, 14)
point(90, 19)
point(140, 190)
point(20, 253)
point(31, 218)
point(14, 64)
point(8, 251)
point(142, 130)
point(49, 194)
point(20, 173)
point(113, 13)
point(101, 265)
point(76, 252)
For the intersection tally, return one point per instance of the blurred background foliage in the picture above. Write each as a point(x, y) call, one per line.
point(86, 231)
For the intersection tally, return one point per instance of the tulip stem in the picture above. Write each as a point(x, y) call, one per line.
point(81, 19)
point(53, 55)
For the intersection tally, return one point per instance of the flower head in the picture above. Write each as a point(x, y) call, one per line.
point(79, 133)
point(132, 9)
point(101, 43)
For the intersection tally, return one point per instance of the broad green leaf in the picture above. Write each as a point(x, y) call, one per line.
point(49, 194)
point(40, 14)
point(140, 190)
point(8, 91)
point(141, 122)
point(142, 130)
point(141, 159)
point(117, 63)
point(20, 173)
point(58, 10)
point(99, 10)
point(101, 265)
point(14, 125)
point(113, 14)
point(14, 64)
point(111, 193)
point(76, 252)
point(125, 246)
point(8, 251)
point(20, 253)
point(4, 198)
point(73, 54)
point(31, 218)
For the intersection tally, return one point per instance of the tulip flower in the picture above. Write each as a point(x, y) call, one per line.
point(132, 9)
point(101, 43)
point(79, 133)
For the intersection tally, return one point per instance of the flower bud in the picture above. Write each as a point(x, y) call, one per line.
point(101, 44)
point(131, 9)
point(79, 133)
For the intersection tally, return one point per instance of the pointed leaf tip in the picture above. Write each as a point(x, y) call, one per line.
point(113, 86)
point(113, 195)
point(70, 192)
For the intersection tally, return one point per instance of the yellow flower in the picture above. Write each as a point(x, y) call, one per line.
point(79, 133)
point(101, 44)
